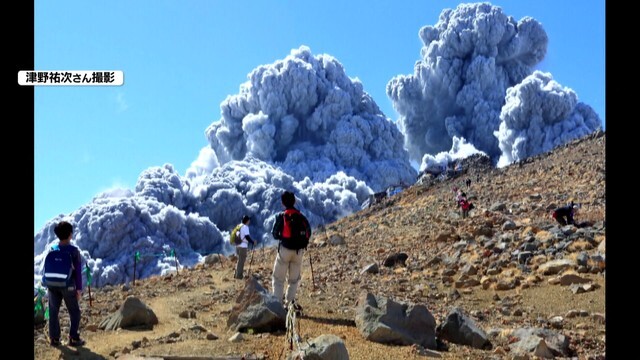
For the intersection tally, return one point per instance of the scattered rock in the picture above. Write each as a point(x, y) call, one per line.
point(133, 314)
point(198, 328)
point(529, 341)
point(385, 321)
point(460, 329)
point(556, 322)
point(535, 196)
point(469, 269)
point(371, 269)
point(582, 259)
point(212, 336)
point(256, 309)
point(507, 284)
point(498, 207)
point(568, 279)
point(571, 314)
point(442, 237)
point(336, 240)
point(213, 259)
point(396, 259)
point(508, 225)
point(237, 337)
point(466, 282)
point(449, 271)
point(555, 266)
point(324, 347)
point(524, 256)
point(582, 288)
point(598, 317)
point(421, 351)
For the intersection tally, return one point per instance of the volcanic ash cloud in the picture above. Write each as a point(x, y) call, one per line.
point(469, 58)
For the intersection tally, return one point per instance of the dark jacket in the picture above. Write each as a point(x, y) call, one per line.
point(565, 212)
point(278, 227)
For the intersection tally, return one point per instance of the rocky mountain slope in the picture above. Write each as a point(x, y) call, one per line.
point(509, 269)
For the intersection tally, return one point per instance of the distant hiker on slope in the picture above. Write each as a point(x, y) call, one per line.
point(564, 215)
point(465, 205)
point(242, 240)
point(293, 231)
point(63, 277)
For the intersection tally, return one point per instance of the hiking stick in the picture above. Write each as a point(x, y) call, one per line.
point(251, 261)
point(135, 261)
point(220, 260)
point(313, 279)
point(90, 299)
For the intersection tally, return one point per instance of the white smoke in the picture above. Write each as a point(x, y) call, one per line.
point(460, 149)
point(539, 115)
point(469, 59)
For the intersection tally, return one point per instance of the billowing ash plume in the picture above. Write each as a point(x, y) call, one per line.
point(306, 116)
point(540, 114)
point(299, 124)
point(469, 59)
point(167, 212)
point(460, 149)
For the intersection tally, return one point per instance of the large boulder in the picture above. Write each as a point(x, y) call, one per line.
point(324, 347)
point(385, 321)
point(256, 309)
point(133, 314)
point(460, 329)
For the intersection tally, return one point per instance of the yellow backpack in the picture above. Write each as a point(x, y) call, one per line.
point(235, 236)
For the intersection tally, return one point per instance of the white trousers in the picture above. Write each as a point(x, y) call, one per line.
point(291, 262)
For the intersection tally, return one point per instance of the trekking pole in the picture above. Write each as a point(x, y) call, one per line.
point(220, 260)
point(135, 261)
point(313, 279)
point(250, 261)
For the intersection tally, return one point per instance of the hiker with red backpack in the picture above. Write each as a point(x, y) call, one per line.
point(464, 204)
point(292, 229)
point(63, 277)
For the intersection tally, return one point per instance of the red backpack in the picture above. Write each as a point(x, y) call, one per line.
point(465, 204)
point(296, 230)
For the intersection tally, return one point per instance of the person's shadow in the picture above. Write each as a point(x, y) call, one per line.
point(80, 352)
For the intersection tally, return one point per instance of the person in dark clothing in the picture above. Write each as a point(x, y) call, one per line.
point(468, 182)
point(71, 295)
point(465, 205)
point(564, 215)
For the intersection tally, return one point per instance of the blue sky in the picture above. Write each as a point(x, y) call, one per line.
point(181, 59)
